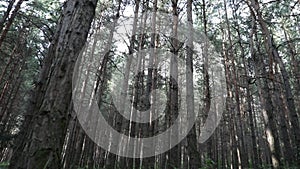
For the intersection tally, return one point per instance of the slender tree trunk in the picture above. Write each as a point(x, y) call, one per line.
point(295, 62)
point(274, 54)
point(149, 163)
point(268, 116)
point(238, 122)
point(248, 96)
point(289, 153)
point(206, 79)
point(123, 125)
point(191, 137)
point(229, 110)
point(10, 21)
point(174, 160)
point(6, 14)
point(4, 114)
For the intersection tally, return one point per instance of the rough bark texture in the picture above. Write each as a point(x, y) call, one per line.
point(47, 119)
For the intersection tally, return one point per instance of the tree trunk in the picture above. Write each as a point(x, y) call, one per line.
point(6, 14)
point(274, 54)
point(10, 21)
point(174, 160)
point(191, 137)
point(149, 163)
point(47, 122)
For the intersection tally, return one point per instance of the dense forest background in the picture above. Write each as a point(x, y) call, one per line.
point(256, 44)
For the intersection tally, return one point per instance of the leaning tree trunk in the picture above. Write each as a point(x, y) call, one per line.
point(46, 123)
point(268, 107)
point(10, 21)
point(6, 14)
point(274, 54)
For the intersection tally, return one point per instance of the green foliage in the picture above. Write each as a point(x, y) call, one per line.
point(208, 163)
point(4, 165)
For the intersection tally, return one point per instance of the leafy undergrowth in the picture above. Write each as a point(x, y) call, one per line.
point(4, 165)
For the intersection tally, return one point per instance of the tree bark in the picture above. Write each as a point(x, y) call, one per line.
point(6, 14)
point(174, 160)
point(191, 137)
point(48, 121)
point(274, 54)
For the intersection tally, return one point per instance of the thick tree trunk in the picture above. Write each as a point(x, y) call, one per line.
point(46, 124)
